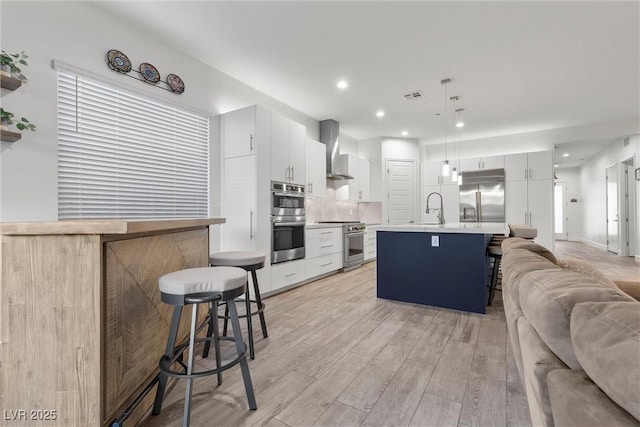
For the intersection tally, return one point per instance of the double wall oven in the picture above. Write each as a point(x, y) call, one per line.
point(287, 222)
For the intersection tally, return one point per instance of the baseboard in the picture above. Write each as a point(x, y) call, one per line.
point(592, 243)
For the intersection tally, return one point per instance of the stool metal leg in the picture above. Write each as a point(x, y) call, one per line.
point(226, 319)
point(247, 301)
point(240, 347)
point(216, 338)
point(191, 361)
point(171, 342)
point(494, 279)
point(263, 323)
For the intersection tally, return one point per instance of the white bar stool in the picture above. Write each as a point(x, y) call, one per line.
point(249, 261)
point(193, 286)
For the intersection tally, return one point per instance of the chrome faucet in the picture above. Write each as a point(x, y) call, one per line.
point(439, 211)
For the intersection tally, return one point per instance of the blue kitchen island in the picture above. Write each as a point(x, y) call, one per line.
point(438, 265)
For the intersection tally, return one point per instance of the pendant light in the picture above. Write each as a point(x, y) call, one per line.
point(458, 112)
point(445, 165)
point(454, 173)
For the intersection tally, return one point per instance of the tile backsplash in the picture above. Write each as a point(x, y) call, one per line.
point(329, 209)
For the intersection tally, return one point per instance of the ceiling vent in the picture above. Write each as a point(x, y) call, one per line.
point(413, 95)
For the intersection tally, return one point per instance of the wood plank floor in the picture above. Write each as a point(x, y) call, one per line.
point(338, 356)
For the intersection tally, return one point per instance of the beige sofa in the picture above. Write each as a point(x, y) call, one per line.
point(575, 336)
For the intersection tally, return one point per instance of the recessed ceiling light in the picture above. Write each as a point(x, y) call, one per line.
point(565, 155)
point(380, 113)
point(405, 133)
point(342, 84)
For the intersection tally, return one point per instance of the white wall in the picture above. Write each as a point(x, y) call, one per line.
point(79, 34)
point(571, 176)
point(593, 185)
point(348, 145)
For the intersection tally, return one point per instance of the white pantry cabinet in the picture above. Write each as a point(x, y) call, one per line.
point(246, 188)
point(529, 193)
point(288, 150)
point(316, 169)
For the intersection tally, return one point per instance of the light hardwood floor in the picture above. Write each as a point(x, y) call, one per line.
point(338, 356)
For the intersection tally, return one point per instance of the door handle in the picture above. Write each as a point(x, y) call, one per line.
point(250, 225)
point(250, 142)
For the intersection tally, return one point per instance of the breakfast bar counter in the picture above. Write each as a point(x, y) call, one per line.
point(83, 327)
point(438, 265)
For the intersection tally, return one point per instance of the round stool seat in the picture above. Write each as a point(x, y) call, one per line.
point(202, 280)
point(237, 258)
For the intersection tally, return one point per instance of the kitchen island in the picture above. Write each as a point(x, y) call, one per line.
point(82, 325)
point(438, 265)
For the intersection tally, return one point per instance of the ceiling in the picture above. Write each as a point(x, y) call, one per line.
point(516, 66)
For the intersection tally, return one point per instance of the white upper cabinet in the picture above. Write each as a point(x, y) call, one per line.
point(316, 169)
point(528, 166)
point(288, 150)
point(357, 189)
point(239, 133)
point(432, 174)
point(478, 163)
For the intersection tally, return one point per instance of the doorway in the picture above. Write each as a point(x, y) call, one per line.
point(560, 216)
point(627, 209)
point(401, 191)
point(613, 232)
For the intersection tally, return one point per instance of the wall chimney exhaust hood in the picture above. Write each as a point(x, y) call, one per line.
point(330, 136)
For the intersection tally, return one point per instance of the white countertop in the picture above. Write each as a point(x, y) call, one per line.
point(315, 225)
point(453, 227)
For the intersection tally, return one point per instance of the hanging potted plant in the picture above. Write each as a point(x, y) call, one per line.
point(10, 64)
point(6, 119)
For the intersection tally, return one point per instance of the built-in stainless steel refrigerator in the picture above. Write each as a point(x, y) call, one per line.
point(482, 196)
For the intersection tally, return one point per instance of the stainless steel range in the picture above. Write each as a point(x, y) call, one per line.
point(353, 243)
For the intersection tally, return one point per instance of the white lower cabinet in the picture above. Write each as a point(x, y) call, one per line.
point(324, 264)
point(287, 273)
point(370, 244)
point(324, 250)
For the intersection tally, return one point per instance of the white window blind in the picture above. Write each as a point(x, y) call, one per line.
point(121, 155)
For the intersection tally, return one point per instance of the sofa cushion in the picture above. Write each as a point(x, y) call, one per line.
point(606, 341)
point(536, 248)
point(576, 401)
point(547, 298)
point(628, 287)
point(512, 313)
point(537, 362)
point(523, 230)
point(509, 242)
point(516, 263)
point(579, 266)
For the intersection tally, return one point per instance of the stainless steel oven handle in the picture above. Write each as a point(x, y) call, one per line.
point(354, 234)
point(301, 196)
point(288, 224)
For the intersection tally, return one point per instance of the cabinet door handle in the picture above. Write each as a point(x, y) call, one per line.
point(327, 232)
point(290, 274)
point(287, 173)
point(250, 225)
point(326, 265)
point(311, 185)
point(325, 246)
point(526, 173)
point(530, 173)
point(250, 142)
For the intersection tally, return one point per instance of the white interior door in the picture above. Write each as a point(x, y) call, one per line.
point(613, 236)
point(560, 216)
point(401, 191)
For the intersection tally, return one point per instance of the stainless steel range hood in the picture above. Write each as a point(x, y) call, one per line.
point(330, 136)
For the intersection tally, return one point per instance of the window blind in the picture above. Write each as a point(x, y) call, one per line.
point(121, 155)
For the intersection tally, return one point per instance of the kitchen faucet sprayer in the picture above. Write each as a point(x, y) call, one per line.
point(439, 211)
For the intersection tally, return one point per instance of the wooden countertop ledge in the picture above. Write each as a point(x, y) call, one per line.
point(109, 226)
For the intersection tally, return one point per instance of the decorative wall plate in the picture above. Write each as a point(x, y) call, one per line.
point(149, 73)
point(175, 83)
point(118, 61)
